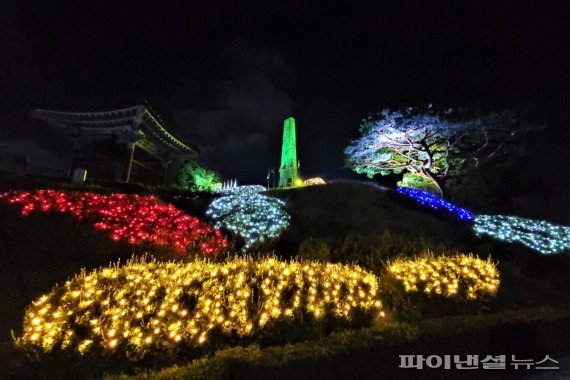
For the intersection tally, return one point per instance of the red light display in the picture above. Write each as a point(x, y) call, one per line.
point(135, 219)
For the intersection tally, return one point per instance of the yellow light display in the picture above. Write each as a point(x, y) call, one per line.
point(314, 181)
point(456, 276)
point(148, 306)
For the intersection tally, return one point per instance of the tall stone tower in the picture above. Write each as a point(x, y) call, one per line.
point(288, 171)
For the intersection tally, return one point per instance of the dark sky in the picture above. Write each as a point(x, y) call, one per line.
point(225, 76)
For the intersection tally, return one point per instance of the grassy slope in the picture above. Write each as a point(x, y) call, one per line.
point(36, 253)
point(352, 218)
point(41, 250)
point(346, 207)
point(372, 353)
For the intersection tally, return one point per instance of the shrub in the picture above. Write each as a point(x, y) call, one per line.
point(410, 286)
point(197, 178)
point(253, 216)
point(539, 235)
point(135, 219)
point(365, 353)
point(148, 306)
point(312, 249)
point(418, 182)
point(370, 250)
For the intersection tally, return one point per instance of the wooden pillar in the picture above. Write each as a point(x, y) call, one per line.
point(129, 160)
point(73, 163)
point(165, 177)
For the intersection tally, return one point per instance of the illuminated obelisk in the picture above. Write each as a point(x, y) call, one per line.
point(288, 171)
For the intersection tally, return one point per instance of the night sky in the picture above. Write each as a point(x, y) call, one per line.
point(225, 76)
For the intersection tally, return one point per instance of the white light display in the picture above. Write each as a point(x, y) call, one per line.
point(243, 190)
point(255, 217)
point(539, 235)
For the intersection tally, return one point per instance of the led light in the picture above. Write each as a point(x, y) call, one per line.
point(538, 235)
point(314, 181)
point(457, 276)
point(221, 302)
point(134, 219)
point(436, 203)
point(246, 212)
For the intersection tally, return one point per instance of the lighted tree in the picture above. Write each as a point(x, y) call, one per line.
point(429, 147)
point(198, 178)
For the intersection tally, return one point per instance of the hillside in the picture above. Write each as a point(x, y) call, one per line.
point(345, 208)
point(354, 219)
point(340, 222)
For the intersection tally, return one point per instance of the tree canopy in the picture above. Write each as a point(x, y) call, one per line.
point(428, 145)
point(195, 177)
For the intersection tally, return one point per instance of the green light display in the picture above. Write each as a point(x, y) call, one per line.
point(288, 174)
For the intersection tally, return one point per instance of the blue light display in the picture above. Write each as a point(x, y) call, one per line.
point(436, 203)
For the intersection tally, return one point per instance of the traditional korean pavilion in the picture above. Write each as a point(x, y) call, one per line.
point(129, 144)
